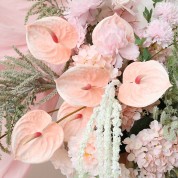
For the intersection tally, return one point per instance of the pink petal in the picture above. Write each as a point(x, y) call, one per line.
point(40, 149)
point(71, 85)
point(143, 83)
point(51, 39)
point(130, 52)
point(74, 123)
point(61, 161)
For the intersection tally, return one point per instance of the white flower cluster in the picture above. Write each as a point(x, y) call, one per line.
point(107, 114)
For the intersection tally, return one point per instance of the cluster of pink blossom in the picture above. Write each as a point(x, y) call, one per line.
point(153, 154)
point(129, 115)
point(90, 157)
point(160, 30)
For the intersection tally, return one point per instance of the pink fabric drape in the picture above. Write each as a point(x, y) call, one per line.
point(12, 32)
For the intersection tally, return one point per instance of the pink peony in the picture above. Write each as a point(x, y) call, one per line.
point(129, 115)
point(114, 36)
point(153, 154)
point(159, 31)
point(90, 160)
point(168, 12)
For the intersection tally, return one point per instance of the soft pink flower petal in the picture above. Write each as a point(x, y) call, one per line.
point(74, 123)
point(111, 34)
point(51, 39)
point(131, 52)
point(83, 86)
point(61, 161)
point(143, 83)
point(35, 137)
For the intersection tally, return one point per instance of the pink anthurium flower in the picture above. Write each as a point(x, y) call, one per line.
point(143, 83)
point(35, 137)
point(51, 39)
point(83, 86)
point(74, 123)
point(114, 36)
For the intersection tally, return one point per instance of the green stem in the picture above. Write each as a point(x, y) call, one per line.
point(161, 51)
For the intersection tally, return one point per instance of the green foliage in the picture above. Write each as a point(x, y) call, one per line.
point(148, 14)
point(144, 54)
point(20, 81)
point(139, 41)
point(44, 8)
point(156, 1)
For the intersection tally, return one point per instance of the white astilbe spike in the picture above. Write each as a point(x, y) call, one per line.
point(117, 133)
point(105, 115)
point(87, 133)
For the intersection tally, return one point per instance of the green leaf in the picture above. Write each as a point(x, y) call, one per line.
point(156, 1)
point(139, 41)
point(145, 55)
point(147, 14)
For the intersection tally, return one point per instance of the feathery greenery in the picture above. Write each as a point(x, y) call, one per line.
point(21, 79)
point(44, 8)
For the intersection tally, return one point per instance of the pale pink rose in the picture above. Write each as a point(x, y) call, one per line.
point(155, 156)
point(159, 31)
point(167, 11)
point(83, 86)
point(51, 39)
point(90, 160)
point(35, 137)
point(143, 83)
point(61, 160)
point(128, 116)
point(114, 36)
point(74, 123)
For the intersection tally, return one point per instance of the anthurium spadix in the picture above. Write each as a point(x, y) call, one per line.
point(35, 137)
point(51, 39)
point(143, 83)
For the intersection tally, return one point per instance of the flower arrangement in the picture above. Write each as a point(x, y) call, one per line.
point(115, 66)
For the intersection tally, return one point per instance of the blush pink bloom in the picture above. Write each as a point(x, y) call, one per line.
point(90, 160)
point(129, 115)
point(35, 137)
point(167, 11)
point(82, 9)
point(114, 36)
point(51, 39)
point(143, 83)
point(83, 86)
point(159, 31)
point(89, 56)
point(61, 160)
point(153, 154)
point(74, 123)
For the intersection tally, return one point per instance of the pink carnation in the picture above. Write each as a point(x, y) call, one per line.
point(168, 12)
point(159, 31)
point(153, 154)
point(90, 163)
point(129, 115)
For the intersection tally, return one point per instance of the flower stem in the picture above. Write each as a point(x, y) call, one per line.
point(70, 114)
point(56, 121)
